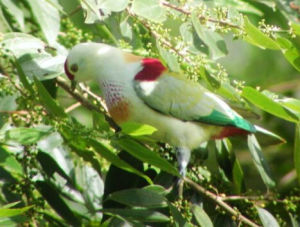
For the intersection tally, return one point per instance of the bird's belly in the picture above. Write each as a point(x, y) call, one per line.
point(169, 129)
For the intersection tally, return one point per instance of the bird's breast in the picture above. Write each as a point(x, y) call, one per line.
point(116, 101)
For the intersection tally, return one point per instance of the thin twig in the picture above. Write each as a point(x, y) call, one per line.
point(98, 98)
point(219, 200)
point(72, 107)
point(224, 23)
point(76, 95)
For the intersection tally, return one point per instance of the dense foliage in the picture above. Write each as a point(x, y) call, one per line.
point(64, 162)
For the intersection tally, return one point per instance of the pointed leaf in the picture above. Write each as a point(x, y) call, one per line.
point(114, 159)
point(14, 10)
point(149, 9)
point(267, 104)
point(138, 214)
point(259, 161)
point(27, 136)
point(257, 37)
point(136, 129)
point(142, 153)
point(48, 102)
point(266, 218)
point(178, 218)
point(10, 212)
point(139, 198)
point(201, 217)
point(297, 151)
point(215, 42)
point(47, 16)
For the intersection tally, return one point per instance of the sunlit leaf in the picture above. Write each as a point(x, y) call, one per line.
point(142, 153)
point(201, 216)
point(21, 43)
point(13, 8)
point(136, 129)
point(267, 104)
point(139, 198)
point(266, 218)
point(290, 52)
point(96, 11)
point(215, 42)
point(27, 136)
point(257, 37)
point(9, 163)
point(149, 9)
point(10, 212)
point(47, 16)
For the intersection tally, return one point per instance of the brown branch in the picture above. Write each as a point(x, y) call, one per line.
point(224, 23)
point(76, 95)
point(220, 201)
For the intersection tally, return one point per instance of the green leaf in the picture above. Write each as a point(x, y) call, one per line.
point(291, 103)
point(267, 104)
point(266, 132)
point(27, 136)
point(139, 198)
point(21, 43)
point(136, 129)
point(4, 25)
point(290, 52)
point(296, 28)
point(9, 163)
point(201, 217)
point(266, 218)
point(145, 155)
point(115, 160)
point(42, 66)
point(47, 16)
point(215, 42)
point(179, 220)
point(52, 196)
point(96, 11)
point(8, 103)
point(14, 10)
point(257, 37)
point(138, 214)
point(23, 78)
point(169, 58)
point(259, 161)
point(99, 122)
point(10, 212)
point(297, 151)
point(149, 9)
point(48, 102)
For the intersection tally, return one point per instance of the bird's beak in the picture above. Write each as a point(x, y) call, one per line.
point(70, 75)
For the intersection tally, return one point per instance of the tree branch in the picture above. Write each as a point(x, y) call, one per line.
point(76, 95)
point(219, 200)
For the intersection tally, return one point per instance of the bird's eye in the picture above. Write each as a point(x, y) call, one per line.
point(74, 68)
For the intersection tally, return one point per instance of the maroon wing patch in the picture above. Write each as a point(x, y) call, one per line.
point(152, 69)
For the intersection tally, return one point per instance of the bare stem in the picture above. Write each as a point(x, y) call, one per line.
point(76, 95)
point(220, 201)
point(220, 22)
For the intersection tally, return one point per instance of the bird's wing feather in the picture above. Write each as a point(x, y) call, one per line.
point(174, 95)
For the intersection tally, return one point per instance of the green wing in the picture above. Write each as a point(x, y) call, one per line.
point(188, 101)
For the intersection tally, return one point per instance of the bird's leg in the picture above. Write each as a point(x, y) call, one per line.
point(183, 158)
point(73, 84)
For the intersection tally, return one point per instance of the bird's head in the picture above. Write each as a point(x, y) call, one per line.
point(86, 61)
